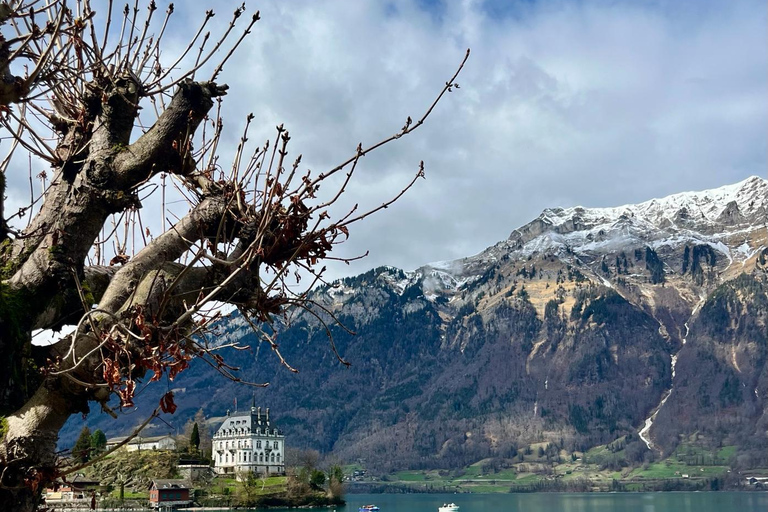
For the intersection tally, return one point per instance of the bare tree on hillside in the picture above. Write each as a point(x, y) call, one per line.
point(93, 99)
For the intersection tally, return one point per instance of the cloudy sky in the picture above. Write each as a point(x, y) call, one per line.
point(562, 103)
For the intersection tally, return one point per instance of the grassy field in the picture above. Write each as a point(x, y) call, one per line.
point(270, 485)
point(688, 465)
point(671, 469)
point(130, 495)
point(410, 476)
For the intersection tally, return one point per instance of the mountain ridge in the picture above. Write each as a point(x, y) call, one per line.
point(550, 335)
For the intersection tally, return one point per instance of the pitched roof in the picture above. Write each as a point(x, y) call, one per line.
point(170, 484)
point(252, 420)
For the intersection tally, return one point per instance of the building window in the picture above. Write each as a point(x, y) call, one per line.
point(273, 457)
point(258, 444)
point(261, 457)
point(278, 457)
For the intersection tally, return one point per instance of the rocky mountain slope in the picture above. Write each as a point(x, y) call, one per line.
point(584, 325)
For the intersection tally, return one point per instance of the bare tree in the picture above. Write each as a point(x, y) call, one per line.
point(34, 43)
point(114, 120)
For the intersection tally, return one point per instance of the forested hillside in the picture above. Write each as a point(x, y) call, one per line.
point(584, 326)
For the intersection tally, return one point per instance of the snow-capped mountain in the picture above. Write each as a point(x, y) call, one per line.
point(732, 220)
point(644, 322)
point(721, 211)
point(710, 216)
point(667, 266)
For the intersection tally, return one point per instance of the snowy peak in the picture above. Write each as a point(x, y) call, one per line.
point(742, 205)
point(730, 220)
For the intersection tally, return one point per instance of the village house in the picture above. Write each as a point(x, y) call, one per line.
point(759, 482)
point(169, 493)
point(248, 442)
point(77, 490)
point(166, 442)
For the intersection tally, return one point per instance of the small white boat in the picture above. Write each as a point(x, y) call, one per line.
point(450, 507)
point(368, 508)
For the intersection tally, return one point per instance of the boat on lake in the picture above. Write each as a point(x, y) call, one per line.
point(368, 508)
point(450, 507)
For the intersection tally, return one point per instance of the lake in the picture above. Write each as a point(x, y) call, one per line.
point(566, 502)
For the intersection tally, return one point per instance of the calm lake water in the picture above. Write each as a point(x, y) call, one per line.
point(552, 502)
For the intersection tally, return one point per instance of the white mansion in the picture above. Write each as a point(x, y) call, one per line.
point(247, 442)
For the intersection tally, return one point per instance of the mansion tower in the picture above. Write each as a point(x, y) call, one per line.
point(247, 442)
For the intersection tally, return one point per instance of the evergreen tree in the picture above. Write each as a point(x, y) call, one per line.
point(98, 442)
point(194, 439)
point(82, 449)
point(317, 479)
point(205, 434)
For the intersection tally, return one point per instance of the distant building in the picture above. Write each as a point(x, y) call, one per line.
point(76, 489)
point(247, 441)
point(169, 493)
point(166, 442)
point(194, 472)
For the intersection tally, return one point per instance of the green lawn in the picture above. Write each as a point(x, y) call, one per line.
point(410, 476)
point(688, 459)
point(505, 474)
point(699, 455)
point(271, 485)
point(130, 495)
point(474, 470)
point(668, 469)
point(351, 468)
point(726, 452)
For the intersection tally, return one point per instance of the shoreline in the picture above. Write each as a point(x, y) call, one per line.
point(224, 509)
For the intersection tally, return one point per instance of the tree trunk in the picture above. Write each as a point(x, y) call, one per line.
point(28, 452)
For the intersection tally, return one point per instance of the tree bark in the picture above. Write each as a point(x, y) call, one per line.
point(97, 177)
point(28, 452)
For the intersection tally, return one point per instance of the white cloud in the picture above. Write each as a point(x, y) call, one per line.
point(593, 103)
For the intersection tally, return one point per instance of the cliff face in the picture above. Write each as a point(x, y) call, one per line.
point(721, 379)
point(583, 326)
